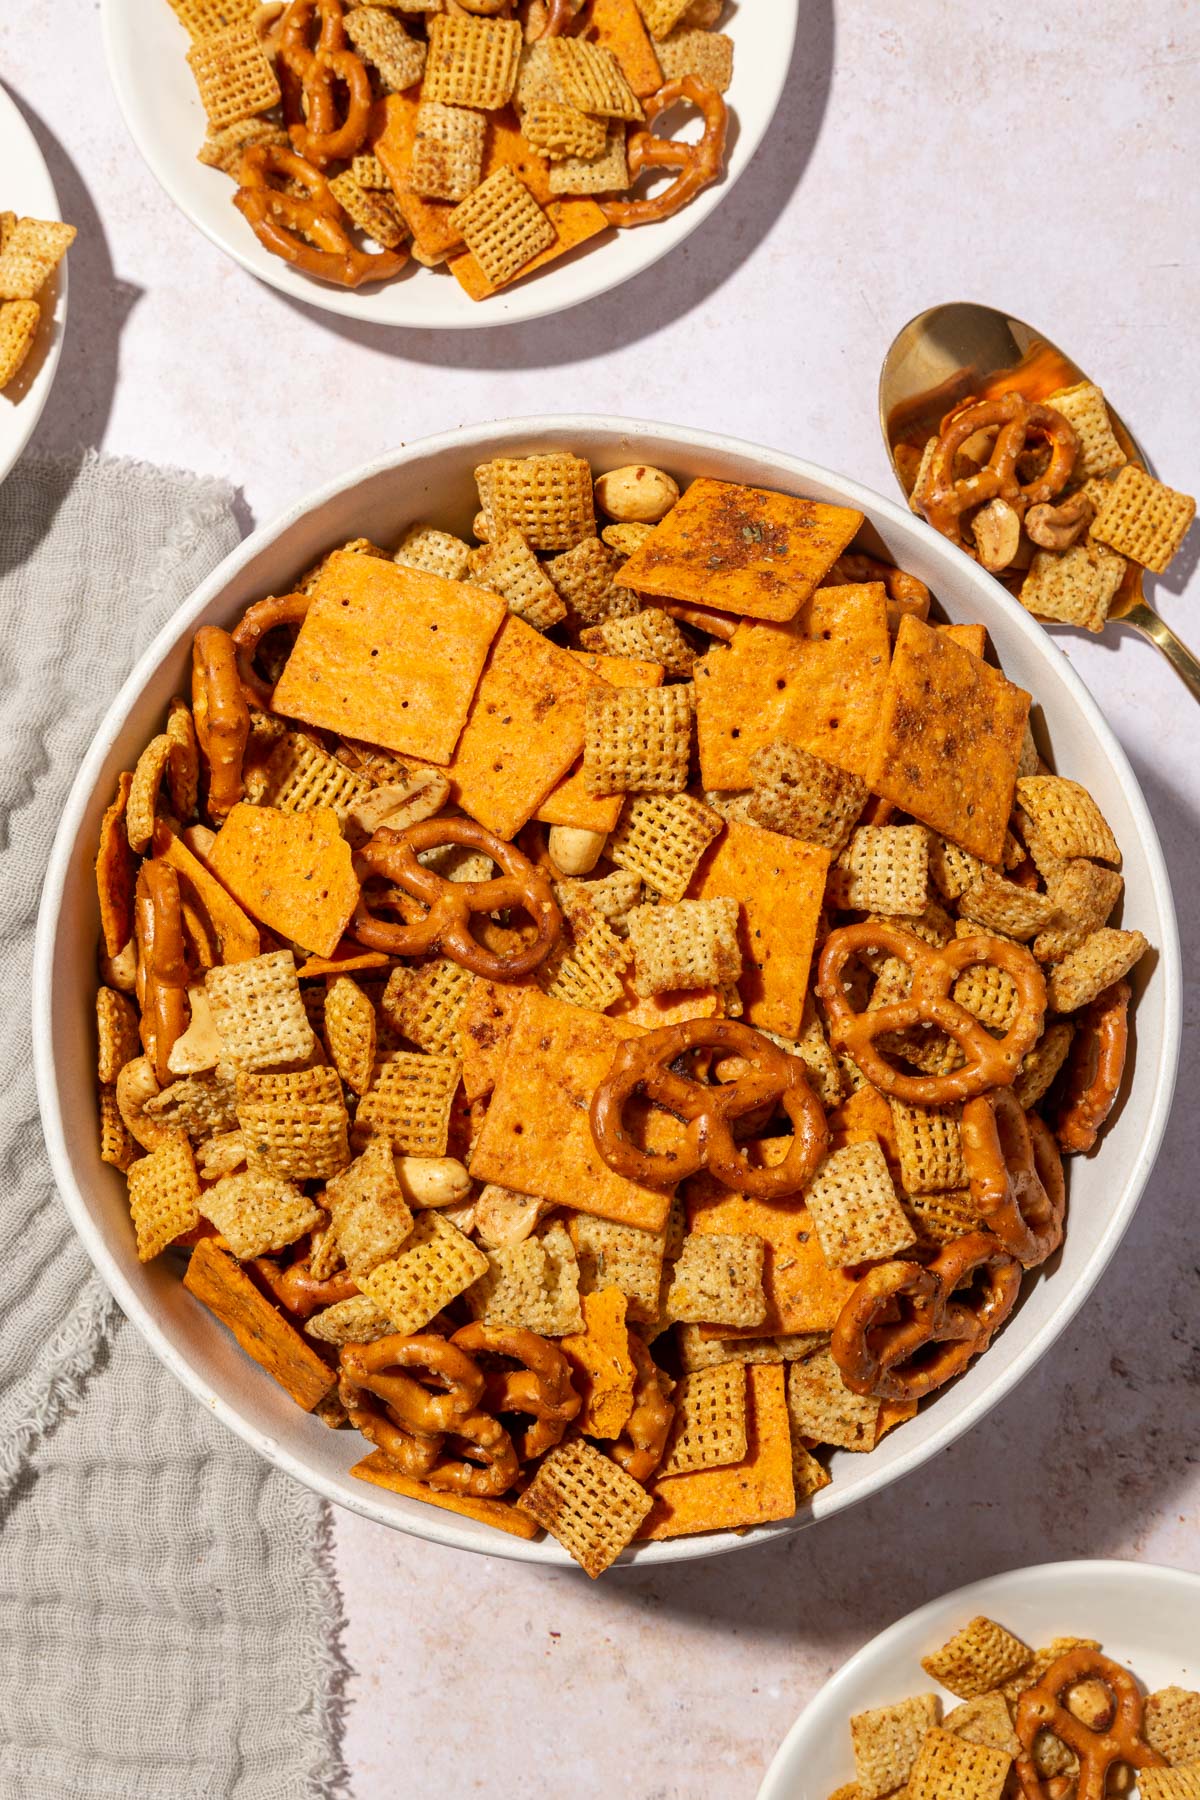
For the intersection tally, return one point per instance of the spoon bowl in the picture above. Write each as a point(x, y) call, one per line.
point(963, 350)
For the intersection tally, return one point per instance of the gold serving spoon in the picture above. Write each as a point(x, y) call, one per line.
point(951, 352)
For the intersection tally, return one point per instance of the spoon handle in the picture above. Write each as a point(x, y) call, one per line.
point(1185, 665)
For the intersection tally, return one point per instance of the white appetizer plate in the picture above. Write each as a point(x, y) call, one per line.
point(146, 47)
point(27, 190)
point(433, 481)
point(1145, 1616)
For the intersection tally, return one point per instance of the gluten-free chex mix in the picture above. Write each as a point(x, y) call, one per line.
point(598, 1007)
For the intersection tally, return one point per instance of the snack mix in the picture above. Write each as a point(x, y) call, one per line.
point(1062, 1723)
point(492, 136)
point(602, 1005)
point(30, 252)
point(1043, 493)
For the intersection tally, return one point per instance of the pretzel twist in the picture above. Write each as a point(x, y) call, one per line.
point(321, 137)
point(307, 229)
point(220, 715)
point(541, 1388)
point(308, 29)
point(708, 1112)
point(902, 1352)
point(698, 164)
point(299, 1291)
point(856, 566)
point(249, 632)
point(446, 926)
point(379, 1369)
point(1015, 1175)
point(945, 498)
point(162, 977)
point(990, 1062)
point(1040, 1708)
point(1094, 1069)
point(643, 1441)
point(417, 1429)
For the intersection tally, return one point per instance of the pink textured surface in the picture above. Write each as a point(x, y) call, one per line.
point(770, 324)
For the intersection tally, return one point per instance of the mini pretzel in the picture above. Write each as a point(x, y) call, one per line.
point(162, 978)
point(320, 137)
point(855, 566)
point(883, 1347)
point(1094, 1069)
point(306, 229)
point(1015, 1175)
point(698, 164)
point(990, 1061)
point(642, 1443)
point(447, 924)
point(709, 1111)
point(299, 1290)
point(378, 1368)
point(542, 1388)
point(221, 716)
point(493, 1466)
point(297, 49)
point(252, 628)
point(945, 498)
point(1040, 1708)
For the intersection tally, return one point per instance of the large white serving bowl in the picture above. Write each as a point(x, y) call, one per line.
point(1145, 1616)
point(27, 190)
point(433, 480)
point(146, 46)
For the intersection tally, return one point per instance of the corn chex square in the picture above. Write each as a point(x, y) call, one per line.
point(1171, 1724)
point(438, 552)
point(802, 795)
point(593, 80)
point(435, 1265)
point(258, 1213)
point(425, 1002)
point(371, 1219)
point(1083, 895)
point(534, 1284)
point(661, 838)
point(164, 1194)
point(588, 973)
point(294, 1124)
point(689, 944)
point(447, 158)
point(978, 1658)
point(823, 1409)
point(116, 1033)
point(375, 213)
point(989, 994)
point(1084, 410)
point(887, 1741)
point(1170, 1784)
point(200, 18)
point(502, 225)
point(409, 1102)
point(1143, 519)
point(1004, 906)
point(638, 740)
point(350, 1032)
point(709, 1429)
point(383, 42)
point(584, 577)
point(472, 62)
point(299, 775)
point(619, 1256)
point(854, 1207)
point(19, 321)
point(883, 869)
point(928, 1148)
point(203, 1105)
point(29, 255)
point(117, 1144)
point(647, 636)
point(1038, 1069)
point(1105, 956)
point(607, 173)
point(706, 54)
point(591, 1506)
point(718, 1280)
point(662, 16)
point(234, 74)
point(1075, 586)
point(547, 498)
point(560, 130)
point(984, 1720)
point(354, 1321)
point(509, 567)
point(1065, 820)
point(950, 1768)
point(224, 149)
point(258, 1012)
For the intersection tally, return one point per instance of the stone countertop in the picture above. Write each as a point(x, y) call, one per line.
point(1037, 161)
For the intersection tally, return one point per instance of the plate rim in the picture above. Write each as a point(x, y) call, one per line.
point(345, 303)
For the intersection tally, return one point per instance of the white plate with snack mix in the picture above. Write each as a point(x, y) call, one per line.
point(33, 283)
point(1026, 1683)
point(456, 171)
point(387, 1099)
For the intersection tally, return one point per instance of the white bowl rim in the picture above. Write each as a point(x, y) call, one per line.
point(975, 1597)
point(441, 1527)
point(11, 453)
point(524, 303)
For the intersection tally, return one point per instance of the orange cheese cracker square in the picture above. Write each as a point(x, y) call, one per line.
point(264, 1334)
point(602, 1368)
point(570, 803)
point(236, 936)
point(574, 221)
point(752, 1492)
point(292, 871)
point(779, 883)
point(863, 1116)
point(654, 1011)
point(524, 730)
point(537, 1137)
point(394, 122)
point(816, 681)
point(948, 740)
point(391, 654)
point(741, 549)
point(616, 25)
point(803, 1293)
point(484, 1027)
point(971, 637)
point(501, 1513)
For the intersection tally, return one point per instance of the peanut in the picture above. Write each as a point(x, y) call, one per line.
point(574, 851)
point(636, 494)
point(432, 1180)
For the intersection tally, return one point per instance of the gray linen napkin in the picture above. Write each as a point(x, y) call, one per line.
point(169, 1622)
